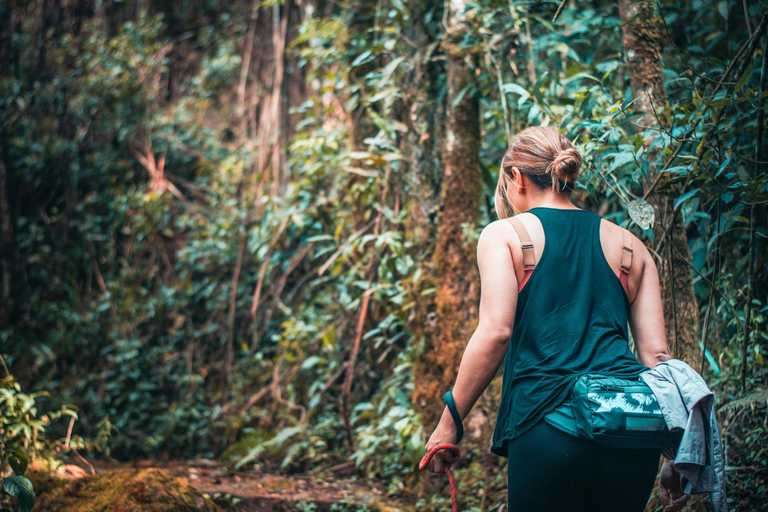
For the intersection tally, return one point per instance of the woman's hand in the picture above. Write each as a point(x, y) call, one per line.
point(444, 433)
point(670, 489)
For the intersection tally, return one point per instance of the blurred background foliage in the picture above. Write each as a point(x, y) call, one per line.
point(219, 217)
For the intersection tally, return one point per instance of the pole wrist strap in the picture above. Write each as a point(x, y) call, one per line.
point(448, 398)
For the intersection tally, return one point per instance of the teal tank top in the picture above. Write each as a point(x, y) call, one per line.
point(571, 319)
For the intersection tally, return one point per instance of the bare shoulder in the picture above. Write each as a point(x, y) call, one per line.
point(495, 245)
point(502, 229)
point(612, 235)
point(611, 228)
point(496, 233)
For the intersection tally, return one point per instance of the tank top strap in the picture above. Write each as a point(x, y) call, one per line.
point(600, 260)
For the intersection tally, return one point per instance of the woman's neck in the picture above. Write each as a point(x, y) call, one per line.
point(551, 200)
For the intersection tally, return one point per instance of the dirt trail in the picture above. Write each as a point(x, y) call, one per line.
point(257, 491)
point(251, 491)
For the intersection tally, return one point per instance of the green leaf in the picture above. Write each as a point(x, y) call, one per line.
point(459, 97)
point(362, 58)
point(310, 362)
point(18, 460)
point(743, 79)
point(722, 8)
point(515, 88)
point(416, 440)
point(21, 487)
point(685, 197)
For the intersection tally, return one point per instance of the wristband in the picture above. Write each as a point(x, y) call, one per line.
point(448, 398)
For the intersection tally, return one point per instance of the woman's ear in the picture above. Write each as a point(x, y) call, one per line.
point(517, 178)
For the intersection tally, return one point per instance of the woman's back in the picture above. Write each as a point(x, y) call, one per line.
point(571, 319)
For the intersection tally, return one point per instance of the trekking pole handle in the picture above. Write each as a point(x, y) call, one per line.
point(448, 398)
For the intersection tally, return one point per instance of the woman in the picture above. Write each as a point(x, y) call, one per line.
point(563, 315)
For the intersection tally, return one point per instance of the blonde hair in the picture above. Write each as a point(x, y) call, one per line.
point(543, 154)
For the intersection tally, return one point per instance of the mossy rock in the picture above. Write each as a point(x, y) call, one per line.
point(127, 490)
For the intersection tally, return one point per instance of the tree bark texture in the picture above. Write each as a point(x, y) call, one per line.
point(272, 92)
point(454, 260)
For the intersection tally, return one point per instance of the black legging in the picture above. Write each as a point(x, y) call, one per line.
point(550, 470)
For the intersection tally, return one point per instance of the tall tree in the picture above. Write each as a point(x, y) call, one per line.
point(454, 261)
point(642, 34)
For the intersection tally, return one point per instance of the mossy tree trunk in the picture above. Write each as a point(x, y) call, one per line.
point(454, 261)
point(642, 33)
point(422, 152)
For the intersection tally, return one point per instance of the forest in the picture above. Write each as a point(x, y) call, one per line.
point(238, 238)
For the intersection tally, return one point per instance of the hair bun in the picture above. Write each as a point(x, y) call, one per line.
point(566, 165)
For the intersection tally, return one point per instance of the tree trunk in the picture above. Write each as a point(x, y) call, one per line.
point(642, 35)
point(7, 238)
point(643, 39)
point(454, 261)
point(273, 69)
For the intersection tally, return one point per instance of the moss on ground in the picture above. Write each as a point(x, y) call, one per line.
point(127, 490)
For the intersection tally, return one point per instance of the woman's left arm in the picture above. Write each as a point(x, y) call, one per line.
point(486, 348)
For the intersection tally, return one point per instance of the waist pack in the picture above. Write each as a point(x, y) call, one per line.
point(615, 412)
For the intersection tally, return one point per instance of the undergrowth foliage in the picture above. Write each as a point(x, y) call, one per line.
point(25, 440)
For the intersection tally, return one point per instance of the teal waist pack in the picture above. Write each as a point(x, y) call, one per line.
point(615, 412)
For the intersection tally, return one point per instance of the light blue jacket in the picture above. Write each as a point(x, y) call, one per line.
point(687, 403)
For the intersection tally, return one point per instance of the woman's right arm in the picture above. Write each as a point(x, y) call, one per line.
point(646, 313)
point(646, 319)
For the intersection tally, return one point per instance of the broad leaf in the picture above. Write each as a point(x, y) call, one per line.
point(18, 460)
point(21, 487)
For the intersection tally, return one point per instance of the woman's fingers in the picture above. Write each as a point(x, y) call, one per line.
point(677, 504)
point(442, 459)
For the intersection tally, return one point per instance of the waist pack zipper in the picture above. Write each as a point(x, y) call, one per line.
point(625, 389)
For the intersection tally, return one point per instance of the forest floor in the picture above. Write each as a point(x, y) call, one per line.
point(236, 491)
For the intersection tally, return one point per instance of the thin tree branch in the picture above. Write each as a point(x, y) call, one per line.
point(559, 10)
point(371, 273)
